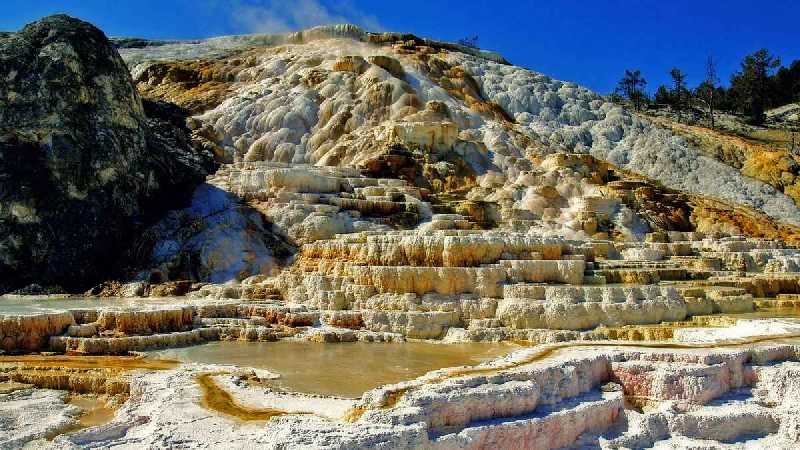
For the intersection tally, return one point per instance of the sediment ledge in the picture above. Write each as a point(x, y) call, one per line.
point(30, 333)
point(549, 397)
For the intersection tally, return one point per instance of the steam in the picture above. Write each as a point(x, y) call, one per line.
point(280, 16)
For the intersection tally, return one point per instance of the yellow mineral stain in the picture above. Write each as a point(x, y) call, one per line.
point(96, 410)
point(6, 387)
point(93, 381)
point(394, 397)
point(354, 414)
point(218, 399)
point(92, 362)
point(639, 403)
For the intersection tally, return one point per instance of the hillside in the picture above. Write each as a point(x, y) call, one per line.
point(352, 240)
point(503, 146)
point(764, 153)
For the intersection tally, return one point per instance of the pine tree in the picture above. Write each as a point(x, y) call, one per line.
point(708, 89)
point(678, 90)
point(631, 86)
point(663, 97)
point(470, 41)
point(751, 85)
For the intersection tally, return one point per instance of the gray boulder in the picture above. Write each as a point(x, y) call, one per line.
point(82, 166)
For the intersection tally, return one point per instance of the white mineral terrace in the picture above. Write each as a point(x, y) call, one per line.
point(437, 338)
point(551, 396)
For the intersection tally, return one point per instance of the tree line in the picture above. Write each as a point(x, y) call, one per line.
point(760, 83)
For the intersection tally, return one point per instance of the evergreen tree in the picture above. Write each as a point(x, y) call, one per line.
point(751, 86)
point(679, 90)
point(786, 85)
point(631, 86)
point(663, 97)
point(470, 41)
point(707, 90)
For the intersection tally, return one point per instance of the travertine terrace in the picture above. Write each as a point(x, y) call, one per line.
point(383, 188)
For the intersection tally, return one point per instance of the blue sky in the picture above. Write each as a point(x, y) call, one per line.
point(590, 42)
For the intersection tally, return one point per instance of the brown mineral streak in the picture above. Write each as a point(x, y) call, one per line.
point(218, 399)
point(92, 381)
point(122, 363)
point(96, 411)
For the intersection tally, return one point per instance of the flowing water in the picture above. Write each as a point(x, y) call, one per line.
point(342, 370)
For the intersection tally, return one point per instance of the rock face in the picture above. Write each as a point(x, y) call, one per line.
point(216, 239)
point(346, 94)
point(81, 160)
point(400, 132)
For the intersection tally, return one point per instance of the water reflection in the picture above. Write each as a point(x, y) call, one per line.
point(344, 370)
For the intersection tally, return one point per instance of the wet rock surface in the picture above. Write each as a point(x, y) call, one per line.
point(536, 398)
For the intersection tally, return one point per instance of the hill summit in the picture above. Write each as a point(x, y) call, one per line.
point(294, 118)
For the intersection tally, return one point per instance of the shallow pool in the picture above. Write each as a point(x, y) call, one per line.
point(33, 305)
point(345, 369)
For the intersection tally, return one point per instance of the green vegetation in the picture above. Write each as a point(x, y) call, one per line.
point(631, 86)
point(760, 84)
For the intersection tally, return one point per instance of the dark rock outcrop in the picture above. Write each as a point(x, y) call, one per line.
point(217, 238)
point(82, 163)
point(177, 160)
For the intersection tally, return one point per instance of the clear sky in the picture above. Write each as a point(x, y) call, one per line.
point(590, 42)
